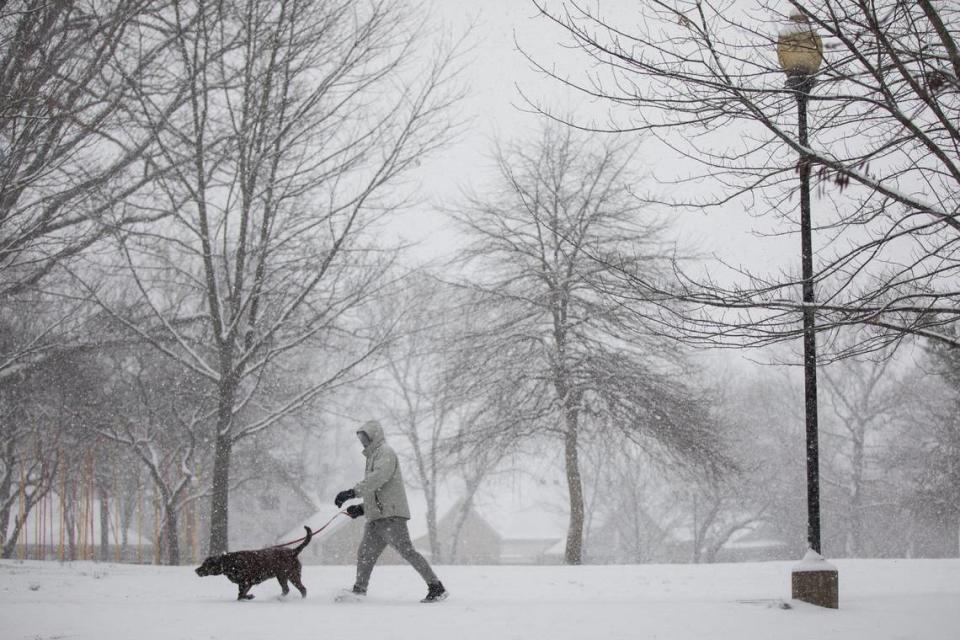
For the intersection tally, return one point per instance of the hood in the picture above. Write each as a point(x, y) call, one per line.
point(374, 431)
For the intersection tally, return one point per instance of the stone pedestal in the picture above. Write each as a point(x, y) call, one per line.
point(816, 581)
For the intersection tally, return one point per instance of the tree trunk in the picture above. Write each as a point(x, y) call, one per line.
point(220, 499)
point(574, 551)
point(466, 505)
point(18, 525)
point(697, 540)
point(432, 534)
point(129, 504)
point(856, 500)
point(173, 541)
point(104, 522)
point(10, 545)
point(70, 523)
point(471, 491)
point(20, 520)
point(6, 485)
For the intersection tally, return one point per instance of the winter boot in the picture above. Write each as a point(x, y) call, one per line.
point(436, 592)
point(351, 595)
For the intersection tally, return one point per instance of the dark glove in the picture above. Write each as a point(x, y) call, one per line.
point(355, 510)
point(343, 496)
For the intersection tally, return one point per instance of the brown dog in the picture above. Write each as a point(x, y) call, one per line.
point(247, 568)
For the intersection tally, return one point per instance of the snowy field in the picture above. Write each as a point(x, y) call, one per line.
point(879, 599)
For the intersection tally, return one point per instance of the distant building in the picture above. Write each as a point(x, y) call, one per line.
point(530, 534)
point(527, 537)
point(476, 541)
point(757, 544)
point(336, 544)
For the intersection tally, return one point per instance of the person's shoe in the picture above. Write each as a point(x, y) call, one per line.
point(436, 593)
point(351, 595)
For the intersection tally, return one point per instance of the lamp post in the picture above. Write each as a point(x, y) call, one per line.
point(800, 52)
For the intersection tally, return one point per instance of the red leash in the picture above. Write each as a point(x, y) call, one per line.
point(329, 522)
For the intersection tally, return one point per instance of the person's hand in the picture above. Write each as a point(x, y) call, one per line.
point(355, 510)
point(343, 496)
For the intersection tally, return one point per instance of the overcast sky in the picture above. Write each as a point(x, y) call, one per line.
point(494, 72)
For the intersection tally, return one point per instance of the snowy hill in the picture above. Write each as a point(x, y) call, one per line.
point(879, 599)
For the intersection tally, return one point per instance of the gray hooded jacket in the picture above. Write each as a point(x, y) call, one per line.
point(381, 489)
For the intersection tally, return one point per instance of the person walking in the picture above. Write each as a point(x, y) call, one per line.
point(385, 507)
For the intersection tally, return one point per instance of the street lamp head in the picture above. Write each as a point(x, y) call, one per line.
point(799, 48)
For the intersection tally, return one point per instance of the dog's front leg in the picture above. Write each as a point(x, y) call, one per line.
point(243, 595)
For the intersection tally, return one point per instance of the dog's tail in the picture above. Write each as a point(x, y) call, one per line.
point(306, 541)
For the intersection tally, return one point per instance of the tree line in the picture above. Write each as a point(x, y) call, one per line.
point(189, 262)
point(194, 179)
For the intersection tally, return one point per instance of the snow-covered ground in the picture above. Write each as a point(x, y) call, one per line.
point(879, 599)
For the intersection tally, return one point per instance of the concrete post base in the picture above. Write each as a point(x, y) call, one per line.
point(816, 581)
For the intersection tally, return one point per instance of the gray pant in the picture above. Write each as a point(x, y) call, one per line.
point(377, 534)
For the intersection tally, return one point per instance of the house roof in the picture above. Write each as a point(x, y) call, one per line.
point(328, 518)
point(752, 539)
point(559, 548)
point(751, 536)
point(519, 510)
point(517, 521)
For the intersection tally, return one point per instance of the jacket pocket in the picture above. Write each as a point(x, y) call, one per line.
point(376, 498)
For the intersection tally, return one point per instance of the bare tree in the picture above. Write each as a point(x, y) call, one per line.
point(884, 146)
point(161, 416)
point(925, 455)
point(28, 468)
point(41, 429)
point(869, 406)
point(416, 399)
point(424, 399)
point(300, 114)
point(74, 166)
point(765, 413)
point(478, 449)
point(862, 398)
point(548, 344)
point(721, 509)
point(634, 516)
point(645, 510)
